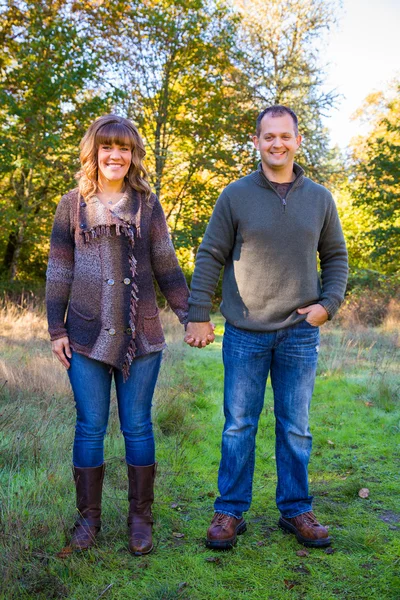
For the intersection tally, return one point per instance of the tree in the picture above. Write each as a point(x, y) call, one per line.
point(46, 71)
point(196, 75)
point(279, 41)
point(186, 95)
point(375, 177)
point(192, 74)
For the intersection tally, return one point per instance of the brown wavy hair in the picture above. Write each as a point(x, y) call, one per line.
point(111, 129)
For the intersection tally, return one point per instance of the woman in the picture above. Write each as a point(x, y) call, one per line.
point(109, 238)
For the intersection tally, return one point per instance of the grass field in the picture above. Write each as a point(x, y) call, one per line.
point(356, 427)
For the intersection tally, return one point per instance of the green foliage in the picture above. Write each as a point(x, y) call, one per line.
point(279, 57)
point(375, 176)
point(47, 97)
point(193, 74)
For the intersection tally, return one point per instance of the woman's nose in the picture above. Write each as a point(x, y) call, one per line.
point(115, 152)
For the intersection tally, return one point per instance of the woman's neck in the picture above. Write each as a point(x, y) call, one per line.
point(106, 187)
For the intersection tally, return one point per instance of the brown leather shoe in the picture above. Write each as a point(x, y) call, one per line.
point(307, 530)
point(221, 534)
point(141, 498)
point(89, 485)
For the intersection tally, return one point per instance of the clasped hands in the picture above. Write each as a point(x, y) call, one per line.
point(200, 335)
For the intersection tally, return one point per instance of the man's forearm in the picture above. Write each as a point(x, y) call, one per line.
point(217, 243)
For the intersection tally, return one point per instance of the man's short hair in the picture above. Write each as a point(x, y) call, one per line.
point(277, 111)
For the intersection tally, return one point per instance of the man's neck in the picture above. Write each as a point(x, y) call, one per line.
point(284, 175)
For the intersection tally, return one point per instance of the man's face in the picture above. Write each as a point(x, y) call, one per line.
point(278, 142)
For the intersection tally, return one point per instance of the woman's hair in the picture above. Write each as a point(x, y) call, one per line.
point(111, 129)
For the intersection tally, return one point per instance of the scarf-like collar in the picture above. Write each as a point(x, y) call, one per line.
point(95, 219)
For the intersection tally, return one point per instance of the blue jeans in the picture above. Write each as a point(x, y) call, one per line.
point(290, 355)
point(91, 385)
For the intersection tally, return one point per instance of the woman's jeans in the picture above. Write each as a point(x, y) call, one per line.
point(290, 355)
point(91, 384)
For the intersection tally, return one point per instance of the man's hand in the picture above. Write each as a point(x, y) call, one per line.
point(316, 314)
point(61, 349)
point(199, 335)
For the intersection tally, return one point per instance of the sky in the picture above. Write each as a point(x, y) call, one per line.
point(364, 56)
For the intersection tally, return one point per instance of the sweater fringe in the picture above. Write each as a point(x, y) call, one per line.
point(131, 353)
point(129, 231)
point(106, 230)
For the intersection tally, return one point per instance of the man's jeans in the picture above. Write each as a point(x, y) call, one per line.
point(290, 355)
point(91, 384)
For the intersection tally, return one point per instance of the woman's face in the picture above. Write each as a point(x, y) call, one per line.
point(113, 162)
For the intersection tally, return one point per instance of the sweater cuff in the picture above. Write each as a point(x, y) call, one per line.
point(198, 314)
point(58, 334)
point(330, 307)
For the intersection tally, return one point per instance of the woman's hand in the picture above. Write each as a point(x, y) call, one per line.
point(199, 335)
point(62, 350)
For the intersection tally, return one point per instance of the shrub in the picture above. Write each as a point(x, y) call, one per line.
point(370, 299)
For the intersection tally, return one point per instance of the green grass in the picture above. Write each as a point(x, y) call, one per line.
point(355, 421)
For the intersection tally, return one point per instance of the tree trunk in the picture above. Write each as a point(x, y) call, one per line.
point(19, 239)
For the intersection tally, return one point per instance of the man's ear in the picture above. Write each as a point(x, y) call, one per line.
point(299, 139)
point(255, 141)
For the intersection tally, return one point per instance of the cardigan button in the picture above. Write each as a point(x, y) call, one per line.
point(83, 204)
point(127, 281)
point(82, 225)
point(112, 331)
point(110, 281)
point(128, 330)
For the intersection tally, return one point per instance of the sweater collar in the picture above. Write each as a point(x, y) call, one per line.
point(260, 178)
point(128, 209)
point(95, 219)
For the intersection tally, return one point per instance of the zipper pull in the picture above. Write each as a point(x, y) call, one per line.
point(284, 204)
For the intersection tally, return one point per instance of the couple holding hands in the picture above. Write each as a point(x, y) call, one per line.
point(110, 239)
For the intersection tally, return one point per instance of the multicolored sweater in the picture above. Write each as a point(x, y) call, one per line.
point(101, 267)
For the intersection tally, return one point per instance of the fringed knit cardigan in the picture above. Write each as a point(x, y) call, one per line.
point(101, 268)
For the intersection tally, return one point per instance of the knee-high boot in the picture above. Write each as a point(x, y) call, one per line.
point(140, 518)
point(89, 486)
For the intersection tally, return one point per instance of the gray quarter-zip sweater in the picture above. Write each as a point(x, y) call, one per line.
point(269, 246)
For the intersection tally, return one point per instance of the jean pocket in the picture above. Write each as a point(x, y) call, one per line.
point(309, 324)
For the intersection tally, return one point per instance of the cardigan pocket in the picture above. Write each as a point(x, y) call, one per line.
point(82, 329)
point(152, 329)
point(81, 315)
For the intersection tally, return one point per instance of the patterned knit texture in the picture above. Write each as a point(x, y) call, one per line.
point(101, 266)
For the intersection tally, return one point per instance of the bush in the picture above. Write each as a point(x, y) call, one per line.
point(371, 298)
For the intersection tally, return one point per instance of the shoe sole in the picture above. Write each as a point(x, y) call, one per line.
point(321, 543)
point(227, 544)
point(141, 553)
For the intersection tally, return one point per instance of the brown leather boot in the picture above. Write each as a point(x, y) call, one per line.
point(307, 530)
point(140, 518)
point(89, 485)
point(221, 534)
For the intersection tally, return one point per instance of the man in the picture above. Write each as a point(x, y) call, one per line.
point(266, 230)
